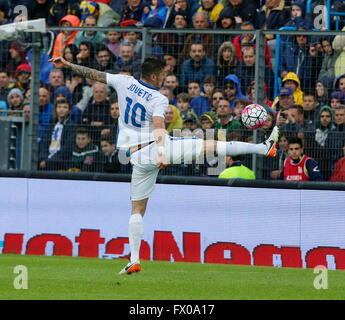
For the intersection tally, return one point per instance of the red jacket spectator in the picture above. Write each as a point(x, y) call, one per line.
point(65, 37)
point(237, 43)
point(339, 171)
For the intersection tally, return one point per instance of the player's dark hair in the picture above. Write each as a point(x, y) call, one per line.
point(293, 140)
point(152, 66)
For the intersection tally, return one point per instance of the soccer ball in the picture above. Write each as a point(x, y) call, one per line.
point(254, 116)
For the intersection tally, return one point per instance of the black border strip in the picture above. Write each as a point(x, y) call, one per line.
point(184, 180)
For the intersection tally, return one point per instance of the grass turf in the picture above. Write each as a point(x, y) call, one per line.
point(74, 278)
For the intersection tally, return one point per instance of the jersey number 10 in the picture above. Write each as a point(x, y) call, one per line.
point(134, 111)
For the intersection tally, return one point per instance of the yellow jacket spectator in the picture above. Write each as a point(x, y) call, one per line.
point(292, 81)
point(212, 7)
point(173, 119)
point(236, 170)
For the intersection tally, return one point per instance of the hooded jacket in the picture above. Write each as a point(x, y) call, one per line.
point(176, 123)
point(61, 42)
point(239, 94)
point(59, 10)
point(298, 94)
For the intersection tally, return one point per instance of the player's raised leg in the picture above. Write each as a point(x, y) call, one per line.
point(233, 148)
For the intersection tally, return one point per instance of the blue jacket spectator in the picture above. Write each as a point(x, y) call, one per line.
point(62, 8)
point(200, 105)
point(45, 66)
point(76, 113)
point(133, 11)
point(233, 89)
point(198, 66)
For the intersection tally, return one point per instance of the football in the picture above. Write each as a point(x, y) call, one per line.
point(254, 116)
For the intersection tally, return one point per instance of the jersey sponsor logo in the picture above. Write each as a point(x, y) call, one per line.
point(140, 92)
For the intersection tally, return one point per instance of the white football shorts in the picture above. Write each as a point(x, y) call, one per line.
point(145, 172)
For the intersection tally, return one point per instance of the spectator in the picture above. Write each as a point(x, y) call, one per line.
point(128, 60)
point(325, 145)
point(39, 9)
point(45, 115)
point(94, 37)
point(209, 86)
point(171, 81)
point(166, 40)
point(85, 155)
point(111, 162)
point(56, 79)
point(113, 41)
point(298, 166)
point(226, 62)
point(217, 95)
point(65, 37)
point(321, 92)
point(227, 22)
point(337, 98)
point(105, 59)
point(297, 18)
point(168, 92)
point(338, 174)
point(173, 120)
point(170, 63)
point(114, 117)
point(200, 21)
point(339, 83)
point(233, 89)
point(244, 10)
point(225, 120)
point(208, 121)
point(198, 104)
point(284, 100)
point(213, 8)
point(294, 116)
point(184, 8)
point(62, 8)
point(190, 123)
point(104, 14)
point(58, 141)
point(298, 59)
point(282, 154)
point(267, 103)
point(97, 112)
point(64, 93)
point(15, 100)
point(183, 105)
point(22, 76)
point(245, 70)
point(17, 57)
point(292, 81)
point(339, 117)
point(327, 74)
point(236, 170)
point(87, 56)
point(338, 45)
point(5, 85)
point(132, 37)
point(249, 39)
point(69, 53)
point(198, 66)
point(272, 16)
point(239, 106)
point(311, 109)
point(134, 9)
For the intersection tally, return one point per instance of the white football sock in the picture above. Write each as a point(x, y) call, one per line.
point(235, 148)
point(135, 234)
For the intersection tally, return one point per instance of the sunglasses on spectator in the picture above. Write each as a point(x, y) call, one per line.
point(217, 98)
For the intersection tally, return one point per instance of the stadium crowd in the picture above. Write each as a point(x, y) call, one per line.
point(210, 79)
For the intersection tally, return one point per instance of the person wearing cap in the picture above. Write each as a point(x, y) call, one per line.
point(337, 98)
point(65, 37)
point(22, 76)
point(190, 121)
point(285, 99)
point(62, 8)
point(17, 57)
point(208, 120)
point(104, 14)
point(15, 100)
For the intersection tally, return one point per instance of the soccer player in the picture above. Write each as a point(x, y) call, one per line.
point(141, 130)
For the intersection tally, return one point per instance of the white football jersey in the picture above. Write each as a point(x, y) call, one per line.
point(138, 104)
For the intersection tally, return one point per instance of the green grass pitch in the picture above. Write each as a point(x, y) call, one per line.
point(73, 278)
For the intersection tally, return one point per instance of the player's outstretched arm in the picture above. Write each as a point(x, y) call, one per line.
point(85, 72)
